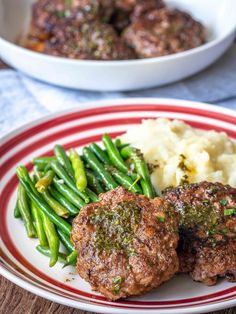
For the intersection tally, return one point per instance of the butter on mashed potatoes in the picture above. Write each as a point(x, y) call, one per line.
point(184, 154)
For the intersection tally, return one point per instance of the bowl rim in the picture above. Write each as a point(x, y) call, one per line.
point(170, 57)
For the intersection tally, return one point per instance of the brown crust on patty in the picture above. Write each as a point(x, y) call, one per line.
point(153, 242)
point(207, 248)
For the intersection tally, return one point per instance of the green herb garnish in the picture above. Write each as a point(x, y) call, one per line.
point(182, 164)
point(161, 219)
point(224, 231)
point(229, 211)
point(117, 283)
point(210, 232)
point(224, 202)
point(65, 13)
point(115, 229)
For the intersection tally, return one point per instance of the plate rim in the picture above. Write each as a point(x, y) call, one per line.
point(120, 101)
point(106, 309)
point(109, 103)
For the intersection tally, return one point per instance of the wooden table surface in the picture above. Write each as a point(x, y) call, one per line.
point(16, 300)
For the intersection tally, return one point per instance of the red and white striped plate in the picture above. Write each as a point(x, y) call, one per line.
point(22, 264)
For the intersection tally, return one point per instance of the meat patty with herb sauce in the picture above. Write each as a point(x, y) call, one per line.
point(207, 248)
point(94, 41)
point(126, 244)
point(50, 13)
point(164, 31)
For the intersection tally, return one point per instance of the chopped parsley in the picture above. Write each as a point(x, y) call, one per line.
point(115, 229)
point(184, 180)
point(229, 211)
point(65, 13)
point(182, 165)
point(211, 232)
point(117, 283)
point(161, 219)
point(203, 215)
point(224, 231)
point(224, 202)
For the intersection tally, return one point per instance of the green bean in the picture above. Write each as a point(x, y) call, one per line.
point(63, 159)
point(42, 162)
point(141, 168)
point(52, 238)
point(134, 176)
point(64, 201)
point(65, 241)
point(126, 181)
point(36, 197)
point(114, 154)
point(39, 168)
point(60, 171)
point(71, 259)
point(23, 173)
point(44, 182)
point(79, 172)
point(93, 182)
point(52, 202)
point(39, 201)
point(92, 195)
point(34, 178)
point(47, 252)
point(100, 153)
point(117, 142)
point(126, 152)
point(99, 169)
point(99, 178)
point(147, 189)
point(24, 209)
point(36, 213)
point(122, 146)
point(47, 168)
point(55, 205)
point(68, 193)
point(17, 211)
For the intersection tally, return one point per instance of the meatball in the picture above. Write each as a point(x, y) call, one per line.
point(50, 13)
point(139, 5)
point(94, 41)
point(126, 244)
point(129, 11)
point(207, 247)
point(164, 31)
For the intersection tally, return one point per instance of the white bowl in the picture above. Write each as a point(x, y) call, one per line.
point(218, 16)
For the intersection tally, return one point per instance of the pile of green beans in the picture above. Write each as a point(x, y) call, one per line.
point(62, 184)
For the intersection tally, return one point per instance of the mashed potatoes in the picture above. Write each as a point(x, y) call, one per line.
point(183, 153)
